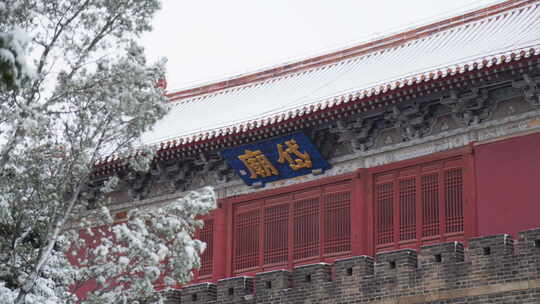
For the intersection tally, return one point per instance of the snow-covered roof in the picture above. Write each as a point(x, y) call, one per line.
point(493, 35)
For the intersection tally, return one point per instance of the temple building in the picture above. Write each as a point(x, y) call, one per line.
point(403, 167)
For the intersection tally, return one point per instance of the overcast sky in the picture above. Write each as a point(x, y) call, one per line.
point(206, 40)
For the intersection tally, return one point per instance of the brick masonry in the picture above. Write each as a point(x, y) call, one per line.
point(494, 269)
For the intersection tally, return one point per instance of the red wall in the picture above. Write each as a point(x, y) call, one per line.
point(508, 185)
point(501, 194)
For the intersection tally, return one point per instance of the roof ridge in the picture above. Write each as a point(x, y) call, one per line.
point(380, 43)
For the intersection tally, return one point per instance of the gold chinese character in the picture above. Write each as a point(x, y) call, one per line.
point(258, 164)
point(303, 160)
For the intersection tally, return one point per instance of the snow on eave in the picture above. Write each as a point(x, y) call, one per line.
point(462, 65)
point(358, 94)
point(326, 104)
point(379, 42)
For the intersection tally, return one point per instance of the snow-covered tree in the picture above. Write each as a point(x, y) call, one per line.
point(75, 87)
point(13, 68)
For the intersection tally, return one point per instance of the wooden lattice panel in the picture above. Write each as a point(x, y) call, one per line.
point(207, 236)
point(407, 209)
point(337, 222)
point(306, 228)
point(453, 184)
point(290, 229)
point(276, 222)
point(246, 230)
point(421, 203)
point(430, 205)
point(385, 212)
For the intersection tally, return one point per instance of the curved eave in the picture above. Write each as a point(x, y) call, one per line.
point(365, 100)
point(377, 44)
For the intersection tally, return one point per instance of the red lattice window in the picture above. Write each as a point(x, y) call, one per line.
point(294, 228)
point(337, 222)
point(430, 204)
point(306, 228)
point(417, 203)
point(207, 235)
point(453, 186)
point(246, 246)
point(407, 209)
point(385, 212)
point(276, 221)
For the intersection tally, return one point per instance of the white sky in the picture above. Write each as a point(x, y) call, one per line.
point(206, 40)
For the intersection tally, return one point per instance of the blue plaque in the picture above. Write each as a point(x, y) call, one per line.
point(275, 159)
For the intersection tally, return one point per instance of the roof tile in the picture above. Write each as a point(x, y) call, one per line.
point(445, 48)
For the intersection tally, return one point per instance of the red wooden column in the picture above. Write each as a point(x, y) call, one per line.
point(219, 242)
point(418, 207)
point(227, 235)
point(359, 214)
point(470, 208)
point(369, 211)
point(442, 203)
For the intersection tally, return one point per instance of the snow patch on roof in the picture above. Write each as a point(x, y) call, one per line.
point(473, 45)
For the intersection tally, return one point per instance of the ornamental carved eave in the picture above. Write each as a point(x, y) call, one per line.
point(355, 106)
point(435, 109)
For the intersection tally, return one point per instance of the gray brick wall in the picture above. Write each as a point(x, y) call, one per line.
point(494, 269)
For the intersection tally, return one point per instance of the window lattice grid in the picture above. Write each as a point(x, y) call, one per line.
point(246, 240)
point(306, 228)
point(207, 236)
point(430, 205)
point(337, 222)
point(276, 219)
point(453, 184)
point(385, 212)
point(407, 209)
